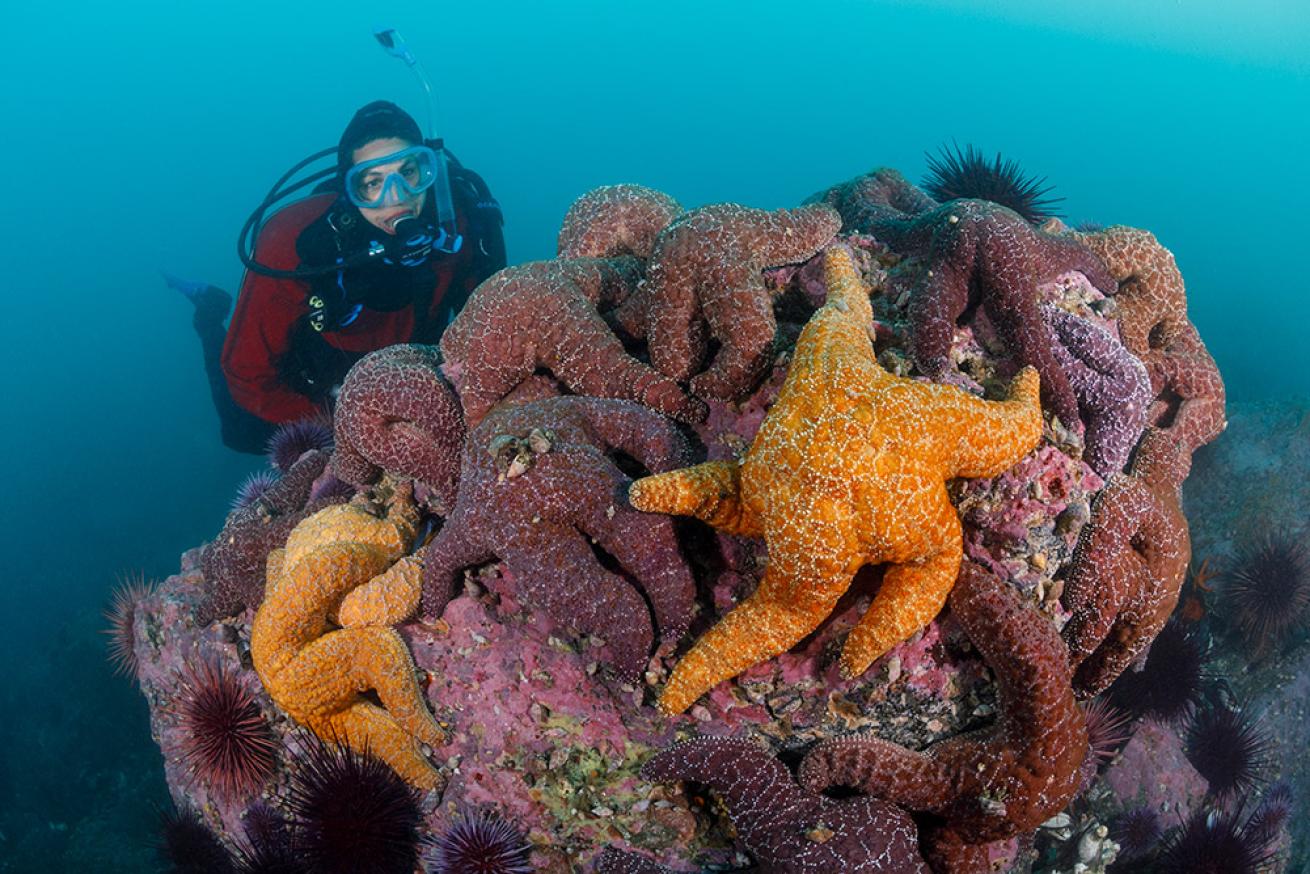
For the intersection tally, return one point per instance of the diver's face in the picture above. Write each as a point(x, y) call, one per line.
point(384, 218)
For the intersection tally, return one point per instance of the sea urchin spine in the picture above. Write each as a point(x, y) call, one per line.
point(479, 844)
point(227, 742)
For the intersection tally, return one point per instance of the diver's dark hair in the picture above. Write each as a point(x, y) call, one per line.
point(378, 120)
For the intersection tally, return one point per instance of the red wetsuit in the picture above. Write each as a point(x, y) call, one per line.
point(268, 310)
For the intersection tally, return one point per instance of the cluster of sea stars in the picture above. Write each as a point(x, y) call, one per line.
point(652, 314)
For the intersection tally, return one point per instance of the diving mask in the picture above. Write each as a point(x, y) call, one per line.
point(392, 179)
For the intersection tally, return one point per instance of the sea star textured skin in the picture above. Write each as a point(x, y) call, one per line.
point(612, 861)
point(847, 469)
point(397, 413)
point(1153, 323)
point(1112, 387)
point(705, 280)
point(345, 564)
point(789, 829)
point(536, 483)
point(544, 314)
point(990, 784)
point(1129, 565)
point(615, 220)
point(973, 251)
point(233, 564)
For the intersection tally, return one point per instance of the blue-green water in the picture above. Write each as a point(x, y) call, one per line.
point(138, 136)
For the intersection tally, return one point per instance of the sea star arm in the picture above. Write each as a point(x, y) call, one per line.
point(582, 594)
point(746, 316)
point(388, 599)
point(808, 571)
point(615, 220)
point(365, 726)
point(911, 596)
point(335, 668)
point(647, 548)
point(645, 435)
point(995, 434)
point(711, 492)
point(791, 830)
point(457, 546)
point(879, 768)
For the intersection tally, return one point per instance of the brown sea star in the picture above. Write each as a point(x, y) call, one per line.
point(322, 637)
point(848, 468)
point(970, 252)
point(990, 784)
point(705, 280)
point(397, 413)
point(536, 484)
point(1129, 565)
point(615, 220)
point(544, 314)
point(791, 830)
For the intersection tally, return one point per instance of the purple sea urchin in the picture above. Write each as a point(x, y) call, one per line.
point(1267, 590)
point(270, 849)
point(353, 813)
point(1171, 681)
point(478, 844)
point(227, 742)
point(252, 487)
point(294, 439)
point(121, 614)
point(1210, 842)
point(954, 174)
point(1136, 831)
point(1266, 824)
point(1228, 747)
point(187, 846)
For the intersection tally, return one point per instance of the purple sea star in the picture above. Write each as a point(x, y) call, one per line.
point(1112, 387)
point(789, 829)
point(705, 279)
point(536, 482)
point(397, 413)
point(970, 252)
point(990, 784)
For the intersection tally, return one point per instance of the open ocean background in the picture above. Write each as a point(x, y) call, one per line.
point(136, 137)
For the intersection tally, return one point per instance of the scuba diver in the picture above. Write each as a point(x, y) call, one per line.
point(386, 250)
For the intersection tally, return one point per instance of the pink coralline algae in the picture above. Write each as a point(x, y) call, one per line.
point(789, 829)
point(546, 315)
point(970, 251)
point(988, 785)
point(397, 413)
point(705, 281)
point(536, 483)
point(615, 220)
point(234, 563)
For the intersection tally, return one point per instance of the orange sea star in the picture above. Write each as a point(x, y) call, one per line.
point(322, 637)
point(849, 468)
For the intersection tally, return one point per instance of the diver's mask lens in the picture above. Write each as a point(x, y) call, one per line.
point(391, 179)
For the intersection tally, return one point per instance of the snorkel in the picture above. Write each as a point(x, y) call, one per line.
point(415, 238)
point(448, 238)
